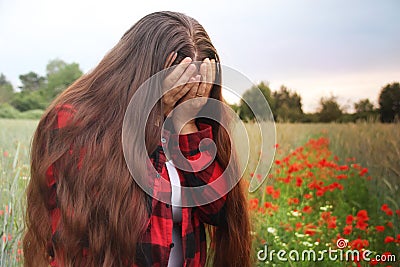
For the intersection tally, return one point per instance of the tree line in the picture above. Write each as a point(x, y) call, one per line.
point(286, 106)
point(36, 93)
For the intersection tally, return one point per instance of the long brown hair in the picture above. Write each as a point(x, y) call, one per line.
point(102, 207)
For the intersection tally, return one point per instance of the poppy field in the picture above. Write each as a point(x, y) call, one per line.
point(323, 206)
point(332, 187)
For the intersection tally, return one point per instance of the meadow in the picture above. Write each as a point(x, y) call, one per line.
point(329, 182)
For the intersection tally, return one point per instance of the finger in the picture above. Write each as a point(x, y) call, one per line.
point(181, 88)
point(203, 72)
point(185, 92)
point(210, 80)
point(196, 101)
point(209, 70)
point(214, 70)
point(170, 59)
point(180, 69)
point(194, 82)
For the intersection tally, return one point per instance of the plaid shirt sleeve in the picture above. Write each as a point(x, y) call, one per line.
point(201, 169)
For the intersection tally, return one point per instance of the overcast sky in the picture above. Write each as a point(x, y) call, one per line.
point(349, 49)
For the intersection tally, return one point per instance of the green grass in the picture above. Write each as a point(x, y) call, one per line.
point(15, 138)
point(375, 146)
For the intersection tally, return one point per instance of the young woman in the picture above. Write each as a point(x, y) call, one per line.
point(83, 206)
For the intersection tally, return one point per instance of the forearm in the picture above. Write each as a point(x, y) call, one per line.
point(188, 128)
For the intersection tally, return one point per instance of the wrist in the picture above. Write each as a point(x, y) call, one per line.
point(189, 127)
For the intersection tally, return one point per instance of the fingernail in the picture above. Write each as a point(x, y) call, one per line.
point(187, 59)
point(193, 66)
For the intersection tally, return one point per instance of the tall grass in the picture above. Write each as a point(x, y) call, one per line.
point(375, 146)
point(15, 139)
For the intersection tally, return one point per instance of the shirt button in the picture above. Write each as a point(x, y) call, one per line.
point(158, 175)
point(167, 205)
point(163, 140)
point(171, 245)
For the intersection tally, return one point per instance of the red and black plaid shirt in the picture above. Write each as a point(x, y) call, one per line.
point(155, 246)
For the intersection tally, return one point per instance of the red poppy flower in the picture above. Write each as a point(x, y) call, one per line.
point(363, 171)
point(276, 194)
point(347, 229)
point(253, 203)
point(332, 223)
point(349, 219)
point(320, 193)
point(362, 225)
point(307, 209)
point(343, 168)
point(359, 243)
point(299, 181)
point(362, 215)
point(269, 189)
point(389, 239)
point(307, 196)
point(268, 205)
point(389, 212)
point(326, 215)
point(380, 228)
point(310, 229)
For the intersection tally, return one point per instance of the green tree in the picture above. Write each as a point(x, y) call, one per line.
point(287, 105)
point(365, 111)
point(235, 107)
point(329, 110)
point(60, 75)
point(31, 95)
point(24, 101)
point(364, 105)
point(252, 98)
point(6, 89)
point(389, 102)
point(31, 81)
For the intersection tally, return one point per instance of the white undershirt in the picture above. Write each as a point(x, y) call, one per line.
point(176, 256)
